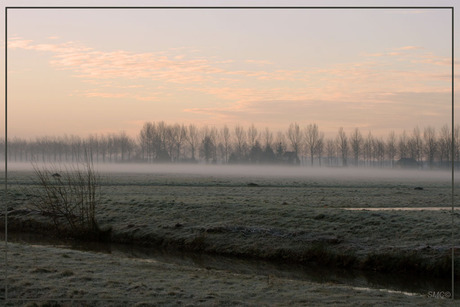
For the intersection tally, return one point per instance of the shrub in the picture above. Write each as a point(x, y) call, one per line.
point(69, 196)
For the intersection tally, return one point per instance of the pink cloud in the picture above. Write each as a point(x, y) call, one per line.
point(350, 81)
point(112, 69)
point(380, 109)
point(139, 97)
point(89, 63)
point(68, 47)
point(435, 60)
point(401, 51)
point(19, 43)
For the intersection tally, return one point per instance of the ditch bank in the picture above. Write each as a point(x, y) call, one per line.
point(256, 243)
point(406, 284)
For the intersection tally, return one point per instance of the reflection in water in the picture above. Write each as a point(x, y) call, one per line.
point(406, 284)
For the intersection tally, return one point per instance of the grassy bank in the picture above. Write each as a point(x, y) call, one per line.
point(288, 219)
point(48, 276)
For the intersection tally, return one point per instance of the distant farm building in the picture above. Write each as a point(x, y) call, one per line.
point(290, 157)
point(407, 163)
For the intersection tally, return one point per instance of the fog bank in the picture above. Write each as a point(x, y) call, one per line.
point(276, 171)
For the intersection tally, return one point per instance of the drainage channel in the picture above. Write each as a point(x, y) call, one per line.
point(408, 284)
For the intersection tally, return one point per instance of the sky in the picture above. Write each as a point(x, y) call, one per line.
point(104, 71)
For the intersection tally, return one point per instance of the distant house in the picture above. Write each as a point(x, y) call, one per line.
point(407, 163)
point(290, 157)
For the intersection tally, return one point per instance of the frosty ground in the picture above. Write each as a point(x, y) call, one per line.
point(300, 218)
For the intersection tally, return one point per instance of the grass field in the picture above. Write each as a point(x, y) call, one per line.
point(280, 214)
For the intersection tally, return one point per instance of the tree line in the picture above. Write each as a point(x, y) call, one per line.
point(175, 143)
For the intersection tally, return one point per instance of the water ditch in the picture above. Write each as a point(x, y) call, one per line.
point(407, 284)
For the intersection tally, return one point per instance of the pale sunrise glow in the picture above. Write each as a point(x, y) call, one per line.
point(370, 69)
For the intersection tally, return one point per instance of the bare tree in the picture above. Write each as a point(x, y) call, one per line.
point(342, 144)
point(313, 139)
point(280, 145)
point(368, 148)
point(356, 144)
point(320, 148)
point(182, 140)
point(391, 147)
point(177, 135)
point(445, 143)
point(2, 148)
point(76, 145)
point(379, 151)
point(431, 146)
point(295, 137)
point(267, 137)
point(208, 149)
point(403, 146)
point(225, 136)
point(331, 150)
point(417, 144)
point(93, 145)
point(144, 142)
point(256, 153)
point(412, 148)
point(17, 148)
point(103, 145)
point(457, 145)
point(214, 134)
point(240, 137)
point(162, 142)
point(253, 135)
point(124, 145)
point(193, 139)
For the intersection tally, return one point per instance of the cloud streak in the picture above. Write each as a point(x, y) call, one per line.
point(375, 79)
point(88, 63)
point(386, 110)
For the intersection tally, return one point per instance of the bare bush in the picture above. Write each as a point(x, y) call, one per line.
point(68, 195)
